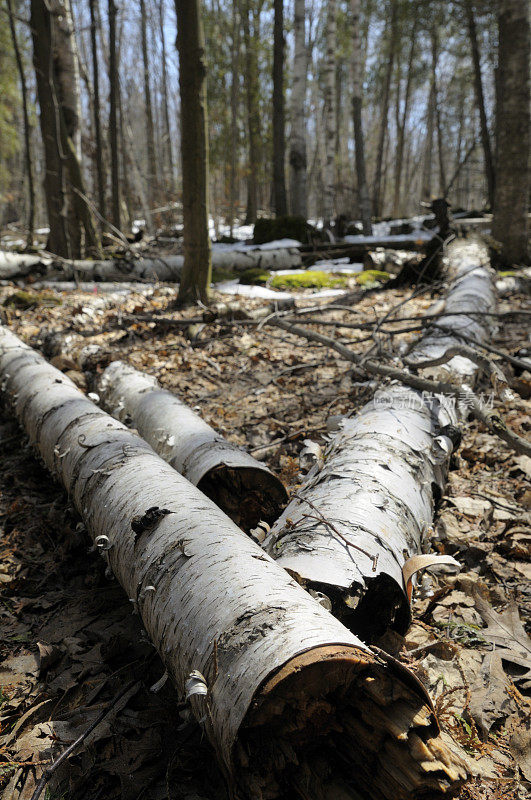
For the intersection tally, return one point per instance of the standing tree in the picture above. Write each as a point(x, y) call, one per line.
point(113, 117)
point(297, 154)
point(279, 133)
point(480, 99)
point(330, 113)
point(510, 224)
point(97, 119)
point(364, 201)
point(168, 149)
point(152, 180)
point(197, 270)
point(27, 127)
point(377, 199)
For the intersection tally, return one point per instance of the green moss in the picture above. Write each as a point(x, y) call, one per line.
point(509, 273)
point(255, 277)
point(310, 279)
point(371, 277)
point(25, 300)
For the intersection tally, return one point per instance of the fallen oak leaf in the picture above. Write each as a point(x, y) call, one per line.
point(505, 631)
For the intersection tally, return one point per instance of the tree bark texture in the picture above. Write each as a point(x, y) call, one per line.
point(165, 268)
point(197, 270)
point(297, 156)
point(391, 52)
point(167, 139)
point(27, 127)
point(116, 216)
point(357, 107)
point(253, 109)
point(279, 122)
point(265, 667)
point(152, 176)
point(100, 174)
point(480, 100)
point(330, 119)
point(241, 486)
point(510, 223)
point(401, 120)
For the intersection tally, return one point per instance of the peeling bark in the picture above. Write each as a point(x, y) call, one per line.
point(242, 487)
point(280, 686)
point(165, 268)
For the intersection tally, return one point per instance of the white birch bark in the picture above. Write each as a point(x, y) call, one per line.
point(297, 156)
point(239, 484)
point(382, 472)
point(330, 111)
point(258, 658)
point(165, 268)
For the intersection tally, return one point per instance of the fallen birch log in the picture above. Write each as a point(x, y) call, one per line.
point(291, 700)
point(164, 268)
point(356, 528)
point(240, 485)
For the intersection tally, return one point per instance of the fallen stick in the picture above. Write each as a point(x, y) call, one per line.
point(240, 485)
point(287, 695)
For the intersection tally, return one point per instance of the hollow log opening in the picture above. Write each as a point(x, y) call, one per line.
point(370, 609)
point(245, 494)
point(337, 723)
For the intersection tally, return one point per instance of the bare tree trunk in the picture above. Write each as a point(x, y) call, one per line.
point(401, 120)
point(297, 156)
point(428, 147)
point(113, 118)
point(391, 49)
point(480, 100)
point(279, 124)
point(100, 175)
point(510, 223)
point(330, 113)
point(357, 106)
point(152, 178)
point(27, 127)
point(234, 86)
point(253, 111)
point(197, 271)
point(168, 148)
point(239, 638)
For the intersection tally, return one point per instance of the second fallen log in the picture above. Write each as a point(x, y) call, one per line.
point(244, 488)
point(290, 699)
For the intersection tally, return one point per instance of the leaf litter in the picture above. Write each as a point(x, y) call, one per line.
point(70, 641)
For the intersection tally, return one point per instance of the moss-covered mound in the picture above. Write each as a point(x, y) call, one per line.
point(24, 300)
point(372, 277)
point(310, 279)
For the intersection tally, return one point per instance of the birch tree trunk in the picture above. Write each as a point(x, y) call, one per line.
point(167, 136)
point(510, 223)
point(241, 486)
point(197, 270)
point(357, 106)
point(279, 124)
point(298, 157)
point(275, 680)
point(330, 118)
point(363, 515)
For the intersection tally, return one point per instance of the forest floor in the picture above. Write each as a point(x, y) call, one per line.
point(70, 642)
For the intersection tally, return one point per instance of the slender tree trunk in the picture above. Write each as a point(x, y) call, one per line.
point(437, 111)
point(510, 223)
point(279, 125)
point(330, 112)
point(297, 155)
point(113, 118)
point(234, 86)
point(27, 127)
point(428, 147)
point(197, 271)
point(100, 175)
point(377, 190)
point(364, 201)
point(150, 132)
point(401, 121)
point(253, 111)
point(480, 100)
point(168, 148)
